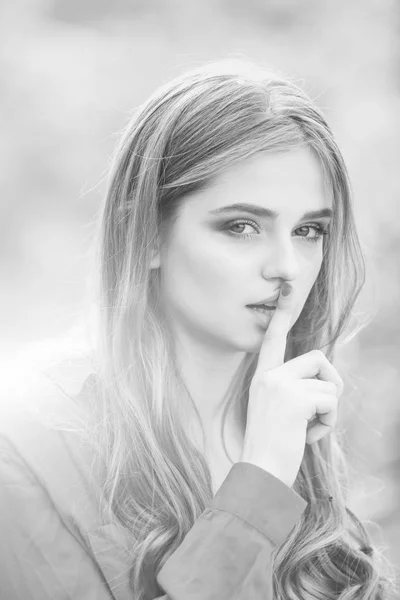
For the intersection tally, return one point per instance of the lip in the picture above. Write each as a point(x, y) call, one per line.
point(267, 300)
point(264, 317)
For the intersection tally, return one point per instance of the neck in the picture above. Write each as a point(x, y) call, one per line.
point(207, 375)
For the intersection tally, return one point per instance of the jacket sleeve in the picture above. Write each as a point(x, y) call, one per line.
point(39, 558)
point(227, 555)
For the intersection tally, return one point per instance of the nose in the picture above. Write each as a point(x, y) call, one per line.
point(281, 261)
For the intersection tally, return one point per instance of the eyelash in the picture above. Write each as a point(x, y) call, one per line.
point(320, 230)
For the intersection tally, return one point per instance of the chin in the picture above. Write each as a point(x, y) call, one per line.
point(249, 343)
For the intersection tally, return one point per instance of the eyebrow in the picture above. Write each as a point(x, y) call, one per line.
point(267, 213)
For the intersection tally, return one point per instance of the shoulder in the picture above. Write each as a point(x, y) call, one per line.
point(43, 421)
point(44, 385)
point(51, 522)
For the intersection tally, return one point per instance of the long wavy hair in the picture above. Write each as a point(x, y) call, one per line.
point(157, 482)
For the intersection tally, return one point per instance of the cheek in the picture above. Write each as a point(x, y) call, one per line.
point(310, 263)
point(198, 272)
point(312, 271)
point(309, 273)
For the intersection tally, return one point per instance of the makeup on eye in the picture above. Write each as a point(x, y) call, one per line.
point(267, 213)
point(320, 231)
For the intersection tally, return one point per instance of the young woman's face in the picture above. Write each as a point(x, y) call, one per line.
point(219, 261)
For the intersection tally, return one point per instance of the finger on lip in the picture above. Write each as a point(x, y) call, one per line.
point(273, 348)
point(286, 289)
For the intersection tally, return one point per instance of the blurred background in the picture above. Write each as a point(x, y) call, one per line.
point(72, 71)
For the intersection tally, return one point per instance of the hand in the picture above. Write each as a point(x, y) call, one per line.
point(285, 397)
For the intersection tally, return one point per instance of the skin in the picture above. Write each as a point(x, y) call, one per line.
point(208, 275)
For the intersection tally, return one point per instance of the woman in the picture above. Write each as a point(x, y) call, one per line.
point(194, 455)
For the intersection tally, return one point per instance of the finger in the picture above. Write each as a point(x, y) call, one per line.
point(322, 407)
point(329, 418)
point(272, 352)
point(316, 432)
point(324, 404)
point(317, 386)
point(314, 364)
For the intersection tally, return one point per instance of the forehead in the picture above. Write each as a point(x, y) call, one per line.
point(288, 182)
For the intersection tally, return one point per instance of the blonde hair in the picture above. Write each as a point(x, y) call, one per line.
point(157, 482)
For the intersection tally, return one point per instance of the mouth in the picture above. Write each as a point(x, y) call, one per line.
point(262, 308)
point(266, 304)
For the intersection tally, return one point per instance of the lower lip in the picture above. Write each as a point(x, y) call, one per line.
point(263, 314)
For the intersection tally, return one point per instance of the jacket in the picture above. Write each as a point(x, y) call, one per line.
point(53, 543)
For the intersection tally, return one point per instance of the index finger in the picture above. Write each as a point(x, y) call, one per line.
point(273, 348)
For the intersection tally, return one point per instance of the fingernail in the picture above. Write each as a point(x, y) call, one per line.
point(286, 289)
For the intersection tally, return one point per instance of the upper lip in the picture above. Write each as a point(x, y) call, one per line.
point(269, 300)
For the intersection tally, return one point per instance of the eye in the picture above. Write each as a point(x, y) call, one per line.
point(230, 225)
point(318, 230)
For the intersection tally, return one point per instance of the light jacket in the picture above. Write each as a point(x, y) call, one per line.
point(53, 543)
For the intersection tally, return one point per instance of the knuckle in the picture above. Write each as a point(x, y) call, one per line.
point(333, 388)
point(336, 387)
